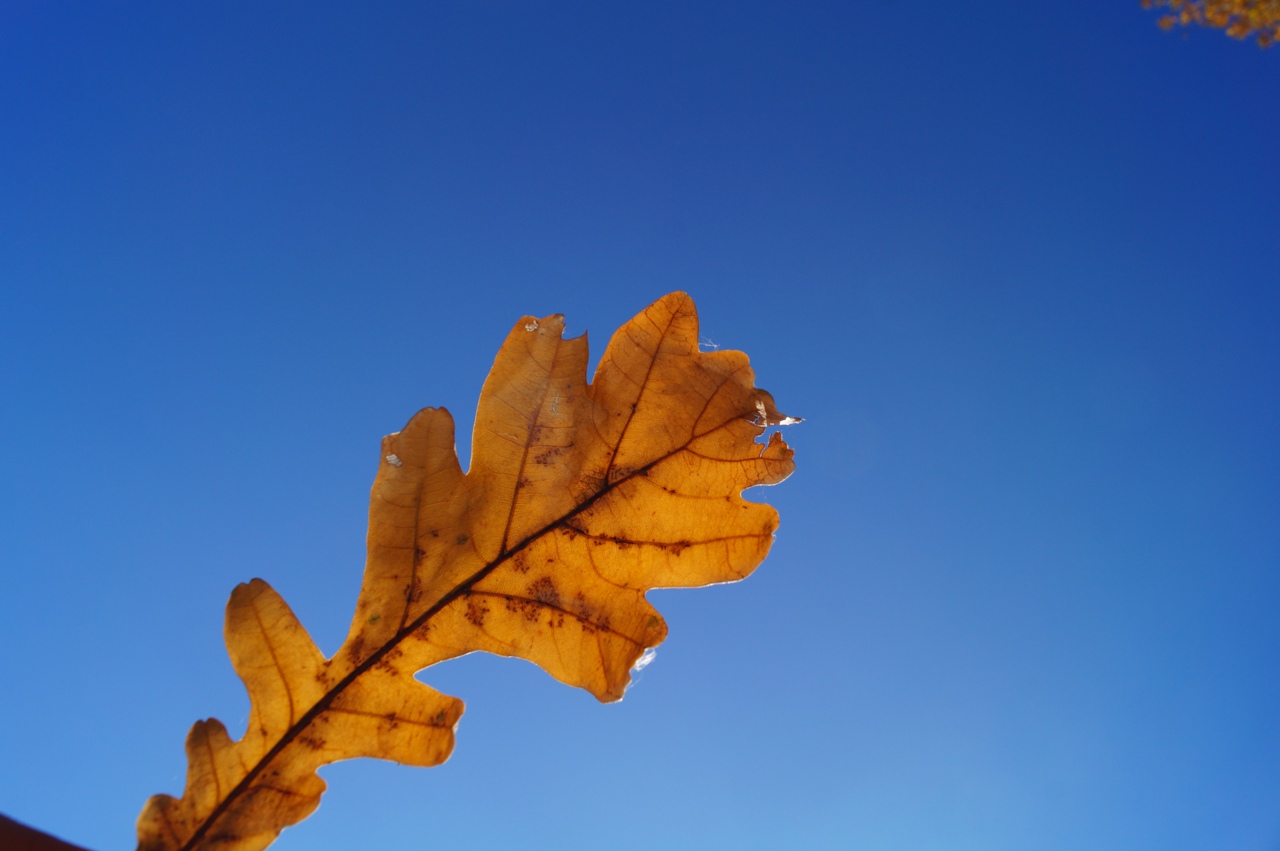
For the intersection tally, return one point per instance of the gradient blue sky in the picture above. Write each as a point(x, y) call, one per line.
point(1014, 262)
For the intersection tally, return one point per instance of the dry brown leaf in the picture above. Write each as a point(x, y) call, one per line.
point(580, 497)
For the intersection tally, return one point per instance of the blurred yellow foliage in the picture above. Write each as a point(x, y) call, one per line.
point(1258, 19)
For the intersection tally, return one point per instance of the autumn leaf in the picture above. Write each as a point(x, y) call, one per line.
point(579, 498)
point(1258, 19)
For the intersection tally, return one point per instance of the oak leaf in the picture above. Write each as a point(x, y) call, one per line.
point(579, 498)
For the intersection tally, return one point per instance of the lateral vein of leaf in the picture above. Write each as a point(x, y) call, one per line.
point(275, 660)
point(675, 494)
point(749, 459)
point(399, 719)
point(164, 816)
point(644, 383)
point(531, 427)
point(463, 587)
point(213, 767)
point(413, 563)
point(724, 382)
point(553, 607)
point(281, 791)
point(617, 539)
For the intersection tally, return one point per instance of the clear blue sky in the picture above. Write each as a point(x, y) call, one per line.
point(1014, 262)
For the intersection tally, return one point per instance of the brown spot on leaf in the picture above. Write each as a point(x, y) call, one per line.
point(548, 456)
point(544, 591)
point(477, 608)
point(528, 609)
point(311, 742)
point(355, 648)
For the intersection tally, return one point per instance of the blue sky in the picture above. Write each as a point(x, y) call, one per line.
point(1013, 262)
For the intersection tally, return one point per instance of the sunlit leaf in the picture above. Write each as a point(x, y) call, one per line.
point(579, 498)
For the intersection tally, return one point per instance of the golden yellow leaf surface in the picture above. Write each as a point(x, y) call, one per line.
point(580, 497)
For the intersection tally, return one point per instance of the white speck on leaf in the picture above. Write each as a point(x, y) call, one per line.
point(394, 461)
point(531, 326)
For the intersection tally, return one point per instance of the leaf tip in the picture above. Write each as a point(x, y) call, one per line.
point(678, 303)
point(545, 326)
point(253, 588)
